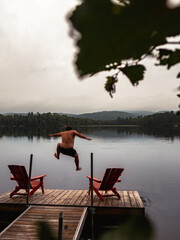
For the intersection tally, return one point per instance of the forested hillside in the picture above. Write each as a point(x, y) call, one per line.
point(55, 122)
point(106, 115)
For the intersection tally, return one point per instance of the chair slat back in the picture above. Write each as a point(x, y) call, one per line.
point(110, 178)
point(20, 175)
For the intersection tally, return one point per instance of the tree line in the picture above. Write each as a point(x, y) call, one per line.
point(54, 122)
point(42, 121)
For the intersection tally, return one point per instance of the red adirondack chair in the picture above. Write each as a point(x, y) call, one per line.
point(111, 177)
point(21, 177)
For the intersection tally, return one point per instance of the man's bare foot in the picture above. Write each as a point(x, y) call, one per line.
point(78, 169)
point(56, 156)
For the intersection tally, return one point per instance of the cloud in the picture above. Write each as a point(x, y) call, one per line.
point(37, 74)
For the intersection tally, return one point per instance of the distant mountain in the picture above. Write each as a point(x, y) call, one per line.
point(104, 115)
point(110, 115)
point(10, 114)
point(141, 113)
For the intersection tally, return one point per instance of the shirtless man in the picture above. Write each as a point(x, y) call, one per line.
point(67, 144)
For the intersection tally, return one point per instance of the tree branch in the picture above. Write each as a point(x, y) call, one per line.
point(173, 42)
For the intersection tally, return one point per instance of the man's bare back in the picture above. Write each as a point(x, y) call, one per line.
point(67, 144)
point(68, 138)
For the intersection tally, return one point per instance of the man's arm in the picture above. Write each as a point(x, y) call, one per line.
point(81, 135)
point(55, 135)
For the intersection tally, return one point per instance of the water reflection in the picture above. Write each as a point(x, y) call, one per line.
point(150, 160)
point(96, 131)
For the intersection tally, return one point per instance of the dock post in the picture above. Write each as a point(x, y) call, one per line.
point(92, 208)
point(29, 179)
point(91, 180)
point(60, 226)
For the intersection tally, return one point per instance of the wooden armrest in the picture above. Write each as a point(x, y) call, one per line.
point(94, 179)
point(38, 177)
point(12, 178)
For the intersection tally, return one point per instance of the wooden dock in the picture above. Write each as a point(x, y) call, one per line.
point(26, 227)
point(73, 204)
point(56, 197)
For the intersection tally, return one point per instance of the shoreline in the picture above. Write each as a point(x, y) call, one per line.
point(110, 125)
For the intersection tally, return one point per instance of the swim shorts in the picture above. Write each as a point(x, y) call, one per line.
point(67, 151)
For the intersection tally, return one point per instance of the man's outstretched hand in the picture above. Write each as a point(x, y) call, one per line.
point(89, 139)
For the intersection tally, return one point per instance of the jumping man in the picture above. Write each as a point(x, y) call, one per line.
point(67, 144)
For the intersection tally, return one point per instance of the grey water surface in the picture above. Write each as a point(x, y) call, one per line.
point(151, 163)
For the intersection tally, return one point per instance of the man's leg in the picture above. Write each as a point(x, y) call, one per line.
point(57, 151)
point(76, 159)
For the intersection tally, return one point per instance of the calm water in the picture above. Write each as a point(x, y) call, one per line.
point(152, 167)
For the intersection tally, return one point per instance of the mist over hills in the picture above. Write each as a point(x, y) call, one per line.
point(110, 115)
point(106, 115)
point(142, 113)
point(103, 115)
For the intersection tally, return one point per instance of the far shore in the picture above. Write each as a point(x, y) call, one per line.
point(109, 125)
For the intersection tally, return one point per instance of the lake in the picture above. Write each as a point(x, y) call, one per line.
point(151, 163)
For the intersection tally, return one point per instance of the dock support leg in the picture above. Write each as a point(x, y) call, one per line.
point(92, 208)
point(60, 229)
point(29, 180)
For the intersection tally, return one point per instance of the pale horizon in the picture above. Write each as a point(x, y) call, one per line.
point(64, 113)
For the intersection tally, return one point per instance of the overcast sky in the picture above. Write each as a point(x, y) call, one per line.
point(37, 73)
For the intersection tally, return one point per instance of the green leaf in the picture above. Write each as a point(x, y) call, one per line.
point(164, 52)
point(134, 73)
point(105, 32)
point(110, 84)
point(110, 33)
point(169, 57)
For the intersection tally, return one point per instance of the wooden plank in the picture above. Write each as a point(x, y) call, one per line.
point(24, 227)
point(80, 225)
point(68, 197)
point(107, 201)
point(126, 199)
point(21, 199)
point(62, 197)
point(4, 196)
point(138, 199)
point(80, 198)
point(121, 202)
point(13, 222)
point(112, 201)
point(39, 198)
point(85, 199)
point(116, 202)
point(17, 199)
point(76, 198)
point(43, 198)
point(96, 200)
point(129, 202)
point(132, 199)
point(58, 197)
point(52, 196)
